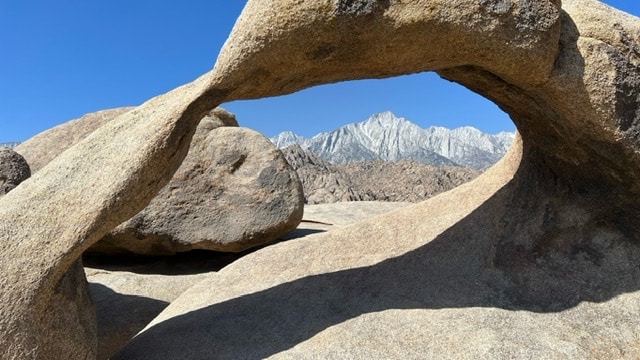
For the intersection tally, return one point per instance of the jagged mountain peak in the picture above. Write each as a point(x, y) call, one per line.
point(287, 138)
point(385, 118)
point(386, 136)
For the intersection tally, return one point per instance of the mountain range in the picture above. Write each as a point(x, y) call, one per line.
point(385, 136)
point(10, 145)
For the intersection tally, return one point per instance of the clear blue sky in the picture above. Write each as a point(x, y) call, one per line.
point(61, 59)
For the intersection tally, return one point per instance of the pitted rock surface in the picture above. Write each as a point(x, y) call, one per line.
point(13, 170)
point(233, 191)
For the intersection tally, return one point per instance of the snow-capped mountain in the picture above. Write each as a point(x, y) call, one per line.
point(10, 145)
point(386, 136)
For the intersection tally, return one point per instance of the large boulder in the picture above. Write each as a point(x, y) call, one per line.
point(48, 221)
point(13, 170)
point(226, 174)
point(40, 149)
point(536, 258)
point(233, 191)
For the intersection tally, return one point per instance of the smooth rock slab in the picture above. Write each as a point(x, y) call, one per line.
point(126, 302)
point(40, 149)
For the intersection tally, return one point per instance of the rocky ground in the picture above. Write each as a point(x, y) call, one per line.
point(129, 291)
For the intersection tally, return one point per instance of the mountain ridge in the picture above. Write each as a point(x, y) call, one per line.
point(385, 136)
point(10, 145)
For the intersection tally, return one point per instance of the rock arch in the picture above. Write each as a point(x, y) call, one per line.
point(551, 229)
point(570, 86)
point(565, 199)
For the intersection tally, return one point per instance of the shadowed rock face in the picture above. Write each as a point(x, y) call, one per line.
point(551, 229)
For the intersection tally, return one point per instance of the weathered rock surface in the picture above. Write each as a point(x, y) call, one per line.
point(129, 292)
point(536, 258)
point(51, 218)
point(13, 170)
point(347, 213)
point(40, 149)
point(233, 191)
point(320, 218)
point(374, 180)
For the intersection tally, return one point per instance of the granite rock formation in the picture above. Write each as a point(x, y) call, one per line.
point(234, 191)
point(535, 258)
point(49, 220)
point(126, 301)
point(227, 173)
point(322, 182)
point(40, 149)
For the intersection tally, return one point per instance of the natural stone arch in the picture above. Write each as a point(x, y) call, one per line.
point(576, 105)
point(569, 85)
point(51, 218)
point(550, 227)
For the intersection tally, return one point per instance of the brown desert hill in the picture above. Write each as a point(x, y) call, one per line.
point(405, 180)
point(373, 180)
point(535, 258)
